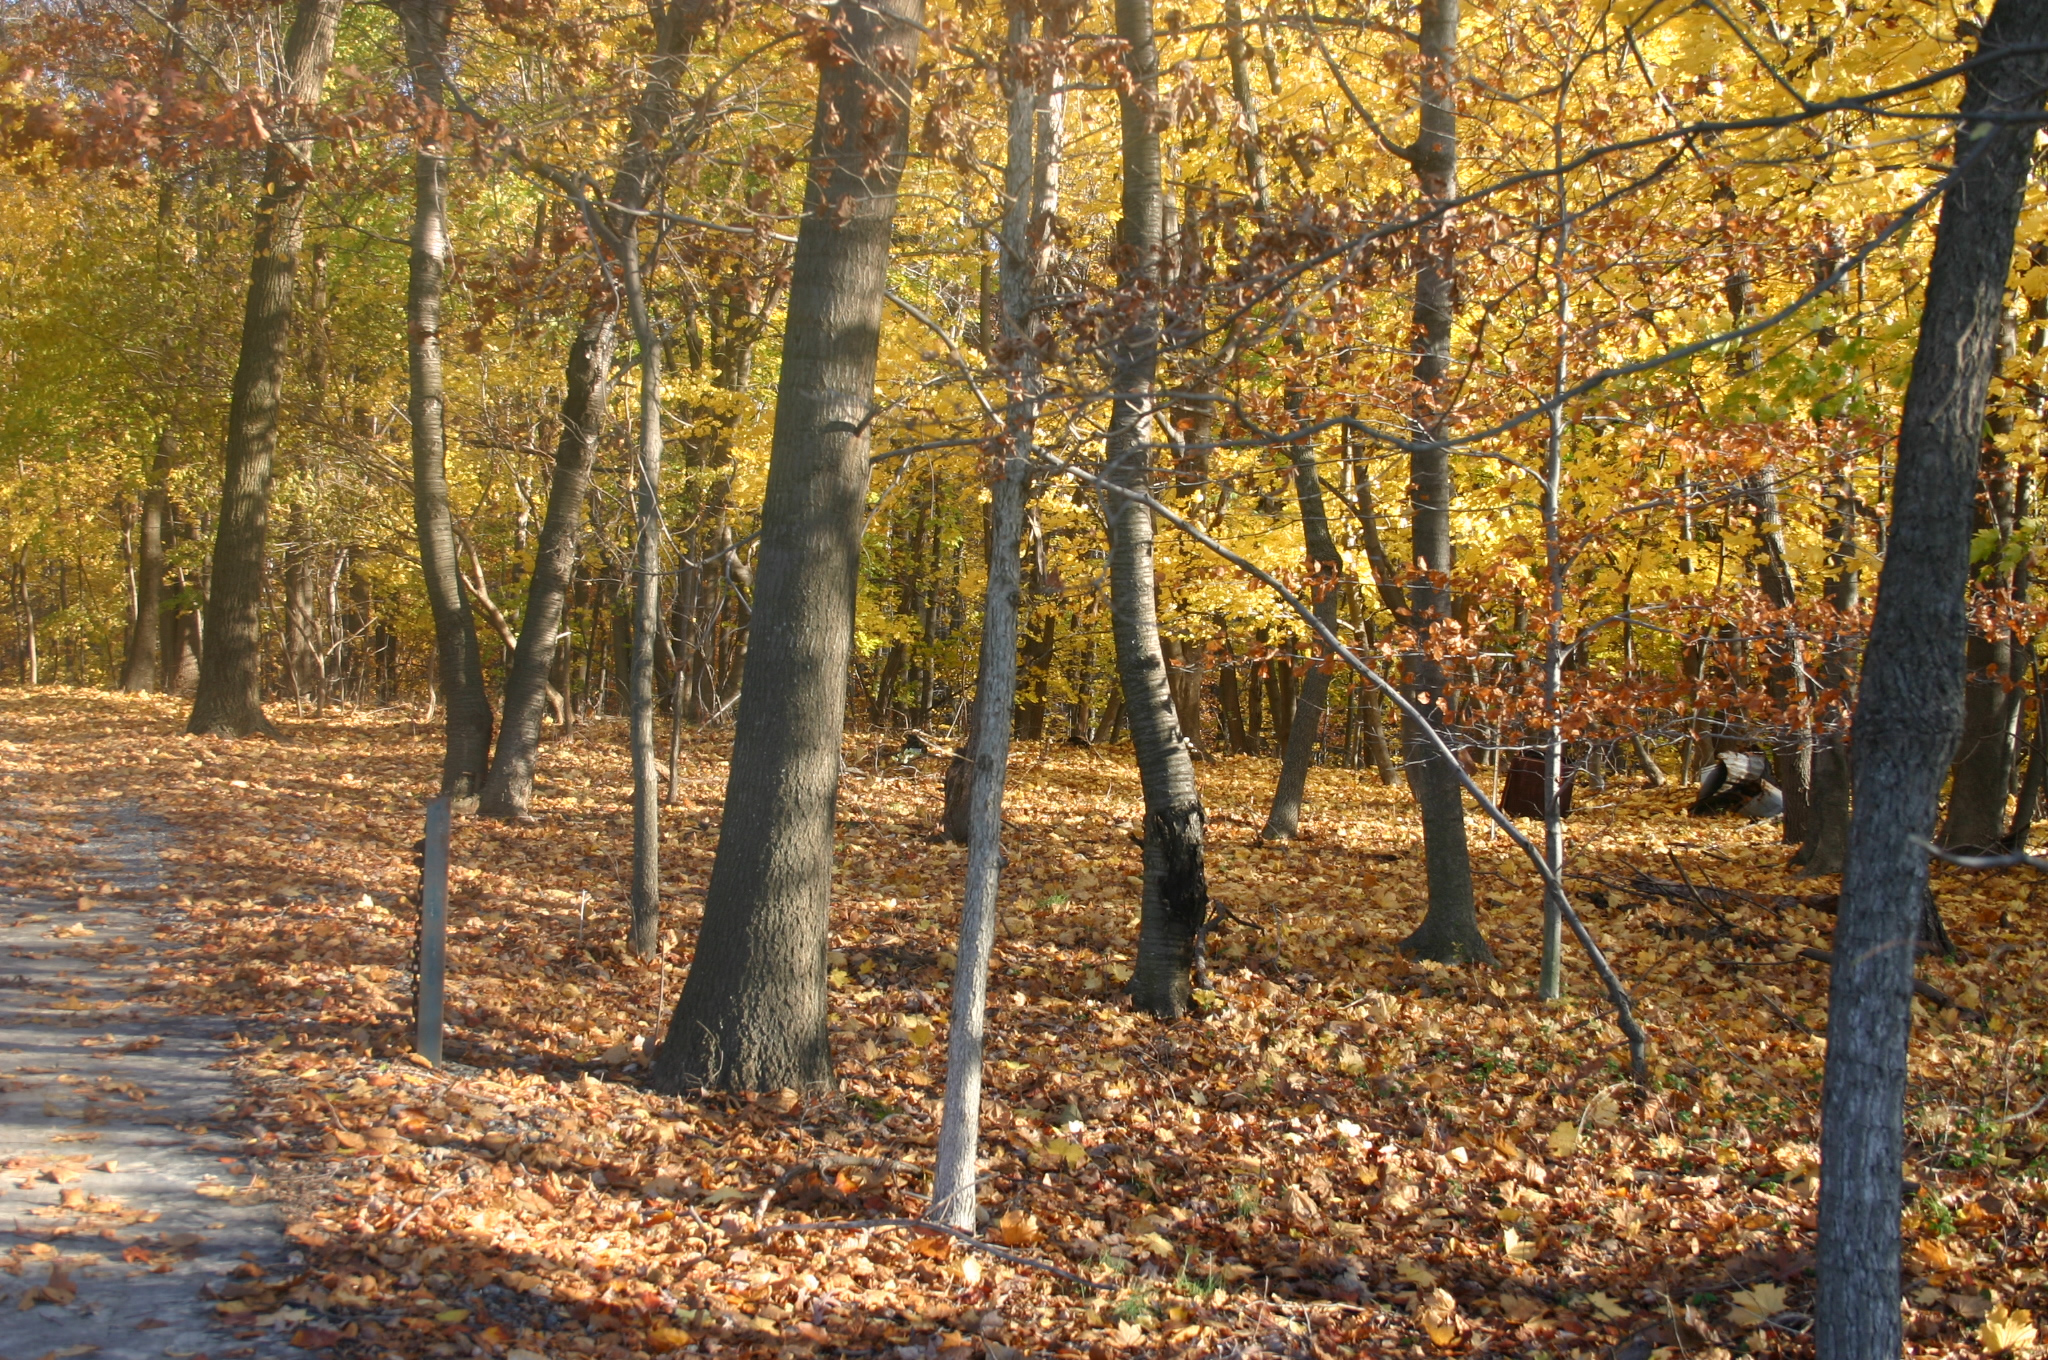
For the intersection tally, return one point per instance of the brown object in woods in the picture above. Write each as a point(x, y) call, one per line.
point(1522, 793)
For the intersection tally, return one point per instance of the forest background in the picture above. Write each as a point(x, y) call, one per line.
point(1553, 361)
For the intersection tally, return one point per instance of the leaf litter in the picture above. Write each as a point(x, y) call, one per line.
point(1343, 1152)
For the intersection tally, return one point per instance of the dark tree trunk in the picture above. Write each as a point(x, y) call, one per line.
point(1984, 755)
point(752, 1014)
point(508, 791)
point(1909, 712)
point(229, 697)
point(467, 752)
point(1449, 932)
point(145, 641)
point(1283, 820)
point(1175, 904)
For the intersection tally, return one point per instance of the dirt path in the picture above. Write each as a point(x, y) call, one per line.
point(118, 1204)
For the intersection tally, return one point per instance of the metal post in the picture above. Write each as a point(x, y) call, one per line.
point(433, 931)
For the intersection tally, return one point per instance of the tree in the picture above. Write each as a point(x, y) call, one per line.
point(145, 640)
point(1175, 905)
point(508, 788)
point(468, 750)
point(229, 699)
point(1909, 710)
point(1449, 932)
point(752, 1012)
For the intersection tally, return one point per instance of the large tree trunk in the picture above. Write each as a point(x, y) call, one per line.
point(1994, 665)
point(229, 698)
point(1175, 905)
point(508, 789)
point(1909, 713)
point(1283, 820)
point(1449, 932)
point(139, 674)
point(468, 749)
point(752, 1013)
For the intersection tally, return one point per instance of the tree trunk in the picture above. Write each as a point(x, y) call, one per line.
point(229, 697)
point(2028, 805)
point(1449, 932)
point(644, 937)
point(752, 1014)
point(508, 791)
point(1283, 820)
point(954, 1182)
point(1175, 904)
point(301, 624)
point(1909, 713)
point(145, 641)
point(467, 753)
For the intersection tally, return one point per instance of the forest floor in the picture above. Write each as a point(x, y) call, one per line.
point(1345, 1153)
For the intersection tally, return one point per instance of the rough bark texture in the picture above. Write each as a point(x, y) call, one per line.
point(459, 664)
point(1176, 894)
point(229, 697)
point(1449, 932)
point(644, 936)
point(145, 640)
point(752, 1014)
point(1909, 712)
point(509, 788)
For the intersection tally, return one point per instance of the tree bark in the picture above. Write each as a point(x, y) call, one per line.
point(1175, 903)
point(467, 752)
point(301, 625)
point(752, 1014)
point(229, 697)
point(145, 641)
point(1909, 713)
point(508, 789)
point(1283, 819)
point(1449, 932)
point(954, 1182)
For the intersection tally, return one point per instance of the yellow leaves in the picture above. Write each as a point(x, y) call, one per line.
point(1563, 1140)
point(1518, 1248)
point(1608, 1307)
point(1437, 1314)
point(1017, 1229)
point(1414, 1272)
point(2007, 1330)
point(1058, 1153)
point(1756, 1305)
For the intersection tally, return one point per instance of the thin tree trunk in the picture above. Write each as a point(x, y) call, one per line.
point(229, 697)
point(145, 641)
point(301, 649)
point(1909, 713)
point(644, 937)
point(466, 755)
point(508, 789)
point(1175, 905)
point(1449, 932)
point(1283, 820)
point(752, 1014)
point(954, 1180)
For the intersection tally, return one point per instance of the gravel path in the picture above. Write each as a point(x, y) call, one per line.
point(127, 1227)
